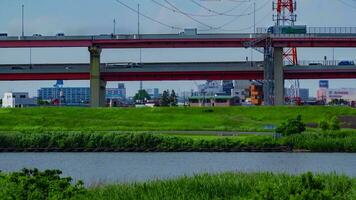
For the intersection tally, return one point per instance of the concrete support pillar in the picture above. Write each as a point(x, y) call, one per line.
point(278, 76)
point(97, 86)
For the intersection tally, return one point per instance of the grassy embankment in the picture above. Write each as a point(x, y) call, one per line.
point(83, 129)
point(264, 186)
point(160, 119)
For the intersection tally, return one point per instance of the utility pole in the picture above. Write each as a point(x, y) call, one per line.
point(138, 33)
point(22, 22)
point(114, 24)
point(254, 29)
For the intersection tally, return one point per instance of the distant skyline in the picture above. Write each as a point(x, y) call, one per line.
point(96, 17)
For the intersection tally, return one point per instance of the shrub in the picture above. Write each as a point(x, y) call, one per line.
point(334, 123)
point(324, 125)
point(34, 184)
point(292, 126)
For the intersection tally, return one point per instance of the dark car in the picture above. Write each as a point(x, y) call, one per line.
point(17, 68)
point(315, 64)
point(3, 34)
point(346, 63)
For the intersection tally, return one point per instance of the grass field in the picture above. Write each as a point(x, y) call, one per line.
point(146, 119)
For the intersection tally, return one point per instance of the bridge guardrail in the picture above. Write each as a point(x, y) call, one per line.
point(319, 62)
point(318, 30)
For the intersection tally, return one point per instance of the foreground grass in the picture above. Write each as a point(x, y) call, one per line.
point(341, 141)
point(262, 186)
point(148, 119)
point(32, 184)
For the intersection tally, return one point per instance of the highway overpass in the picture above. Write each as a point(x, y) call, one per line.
point(273, 73)
point(168, 71)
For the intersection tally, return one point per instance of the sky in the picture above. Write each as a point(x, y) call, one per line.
point(78, 17)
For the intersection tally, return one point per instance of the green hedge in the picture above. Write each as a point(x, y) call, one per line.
point(331, 141)
point(340, 141)
point(143, 141)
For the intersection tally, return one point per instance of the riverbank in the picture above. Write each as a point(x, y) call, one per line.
point(243, 119)
point(339, 141)
point(206, 186)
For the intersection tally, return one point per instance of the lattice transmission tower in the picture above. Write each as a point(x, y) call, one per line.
point(285, 16)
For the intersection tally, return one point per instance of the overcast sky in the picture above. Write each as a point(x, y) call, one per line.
point(77, 17)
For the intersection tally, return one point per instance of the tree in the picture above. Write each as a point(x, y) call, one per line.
point(173, 99)
point(165, 99)
point(141, 96)
point(292, 126)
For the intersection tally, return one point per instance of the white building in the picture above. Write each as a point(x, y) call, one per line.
point(210, 88)
point(348, 94)
point(17, 99)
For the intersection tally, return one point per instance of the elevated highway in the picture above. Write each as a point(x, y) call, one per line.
point(273, 73)
point(169, 71)
point(181, 41)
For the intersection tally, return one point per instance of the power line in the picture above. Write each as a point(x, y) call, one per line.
point(147, 17)
point(249, 27)
point(193, 14)
point(213, 11)
point(347, 4)
point(233, 20)
point(190, 17)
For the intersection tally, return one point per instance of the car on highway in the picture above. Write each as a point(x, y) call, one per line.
point(3, 34)
point(346, 63)
point(315, 64)
point(134, 65)
point(60, 35)
point(17, 68)
point(37, 35)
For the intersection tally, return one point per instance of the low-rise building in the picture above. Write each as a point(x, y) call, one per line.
point(213, 101)
point(327, 95)
point(18, 100)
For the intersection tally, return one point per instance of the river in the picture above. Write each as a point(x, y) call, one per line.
point(95, 168)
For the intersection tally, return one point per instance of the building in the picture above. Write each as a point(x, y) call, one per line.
point(241, 89)
point(65, 95)
point(327, 95)
point(210, 88)
point(153, 92)
point(303, 93)
point(17, 100)
point(79, 95)
point(213, 101)
point(227, 87)
point(116, 93)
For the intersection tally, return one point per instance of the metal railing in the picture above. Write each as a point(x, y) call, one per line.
point(319, 30)
point(320, 62)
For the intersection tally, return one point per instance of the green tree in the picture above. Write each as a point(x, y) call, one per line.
point(165, 100)
point(292, 126)
point(173, 99)
point(141, 95)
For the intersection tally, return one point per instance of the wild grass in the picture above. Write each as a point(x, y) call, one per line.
point(266, 186)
